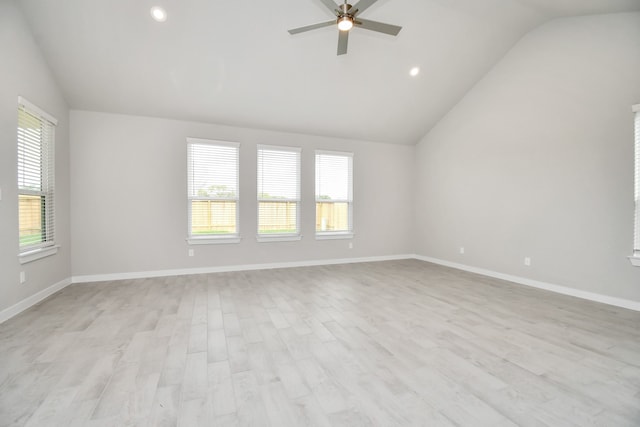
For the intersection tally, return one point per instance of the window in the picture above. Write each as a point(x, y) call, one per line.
point(334, 195)
point(635, 258)
point(36, 195)
point(278, 193)
point(213, 191)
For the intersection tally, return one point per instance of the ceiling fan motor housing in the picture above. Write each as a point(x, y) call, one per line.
point(344, 9)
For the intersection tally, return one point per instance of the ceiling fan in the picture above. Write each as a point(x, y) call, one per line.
point(347, 18)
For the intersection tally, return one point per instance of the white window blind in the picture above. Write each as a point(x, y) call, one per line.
point(213, 192)
point(334, 193)
point(36, 175)
point(636, 244)
point(278, 191)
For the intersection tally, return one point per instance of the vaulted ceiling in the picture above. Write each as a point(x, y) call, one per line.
point(235, 63)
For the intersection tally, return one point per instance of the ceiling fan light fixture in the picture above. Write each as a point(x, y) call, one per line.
point(345, 23)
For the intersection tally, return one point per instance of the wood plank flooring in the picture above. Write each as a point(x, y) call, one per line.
point(399, 343)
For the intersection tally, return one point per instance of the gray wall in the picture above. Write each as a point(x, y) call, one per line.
point(24, 72)
point(537, 160)
point(129, 197)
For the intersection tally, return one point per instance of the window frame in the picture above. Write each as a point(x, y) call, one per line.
point(635, 257)
point(340, 234)
point(279, 237)
point(208, 239)
point(46, 152)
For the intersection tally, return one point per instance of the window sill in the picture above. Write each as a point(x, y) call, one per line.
point(332, 236)
point(278, 238)
point(635, 260)
point(213, 240)
point(37, 254)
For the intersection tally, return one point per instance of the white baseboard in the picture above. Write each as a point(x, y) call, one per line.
point(591, 296)
point(21, 306)
point(36, 298)
point(224, 269)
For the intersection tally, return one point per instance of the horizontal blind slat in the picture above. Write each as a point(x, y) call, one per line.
point(213, 171)
point(278, 174)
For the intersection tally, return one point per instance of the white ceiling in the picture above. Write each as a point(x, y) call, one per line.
point(235, 63)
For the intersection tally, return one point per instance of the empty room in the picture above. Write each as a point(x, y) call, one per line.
point(312, 213)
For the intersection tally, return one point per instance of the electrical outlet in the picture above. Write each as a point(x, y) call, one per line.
point(191, 252)
point(527, 261)
point(461, 250)
point(23, 277)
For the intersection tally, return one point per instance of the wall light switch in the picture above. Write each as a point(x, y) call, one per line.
point(191, 252)
point(461, 249)
point(23, 277)
point(350, 245)
point(527, 261)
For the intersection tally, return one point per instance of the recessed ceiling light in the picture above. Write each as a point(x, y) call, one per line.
point(158, 14)
point(414, 71)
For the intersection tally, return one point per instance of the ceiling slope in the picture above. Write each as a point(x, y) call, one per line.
point(234, 63)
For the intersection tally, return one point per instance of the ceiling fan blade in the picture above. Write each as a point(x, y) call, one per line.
point(363, 5)
point(378, 26)
point(312, 27)
point(331, 5)
point(343, 40)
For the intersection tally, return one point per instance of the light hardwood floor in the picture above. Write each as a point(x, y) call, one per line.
point(385, 344)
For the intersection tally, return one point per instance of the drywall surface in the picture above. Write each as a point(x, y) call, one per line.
point(129, 197)
point(25, 73)
point(537, 161)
